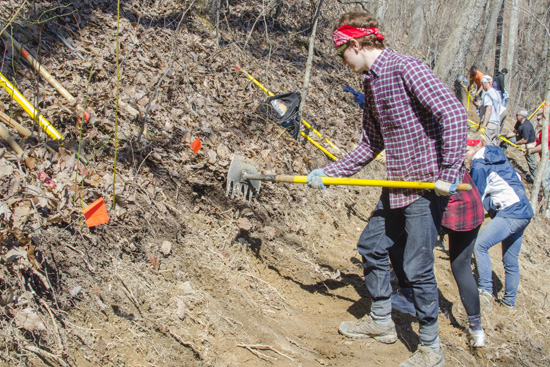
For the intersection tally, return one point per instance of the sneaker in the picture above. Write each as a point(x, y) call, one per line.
point(366, 327)
point(486, 300)
point(402, 303)
point(425, 356)
point(476, 338)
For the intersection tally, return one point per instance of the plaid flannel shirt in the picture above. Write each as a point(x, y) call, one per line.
point(415, 117)
point(465, 209)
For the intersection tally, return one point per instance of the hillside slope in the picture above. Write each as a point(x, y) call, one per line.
point(182, 275)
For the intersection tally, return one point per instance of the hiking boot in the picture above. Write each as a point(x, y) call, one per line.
point(476, 338)
point(425, 356)
point(402, 303)
point(486, 300)
point(366, 327)
point(507, 306)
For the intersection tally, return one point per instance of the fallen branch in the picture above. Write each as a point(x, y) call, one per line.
point(189, 345)
point(252, 348)
point(45, 355)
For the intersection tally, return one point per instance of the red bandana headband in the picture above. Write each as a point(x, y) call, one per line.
point(347, 32)
point(473, 142)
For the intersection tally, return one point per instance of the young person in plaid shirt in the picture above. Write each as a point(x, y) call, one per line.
point(411, 114)
point(462, 220)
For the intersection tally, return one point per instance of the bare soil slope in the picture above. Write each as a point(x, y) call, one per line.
point(183, 275)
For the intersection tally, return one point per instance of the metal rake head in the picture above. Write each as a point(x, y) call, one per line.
point(236, 185)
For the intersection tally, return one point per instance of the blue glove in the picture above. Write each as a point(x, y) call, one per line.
point(314, 179)
point(358, 97)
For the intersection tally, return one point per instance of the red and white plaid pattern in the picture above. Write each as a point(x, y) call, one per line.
point(416, 118)
point(347, 32)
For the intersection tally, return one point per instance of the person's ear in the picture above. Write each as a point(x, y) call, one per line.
point(355, 44)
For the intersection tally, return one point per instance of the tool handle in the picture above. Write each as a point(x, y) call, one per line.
point(12, 123)
point(349, 182)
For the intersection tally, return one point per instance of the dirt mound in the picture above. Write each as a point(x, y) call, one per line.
point(182, 274)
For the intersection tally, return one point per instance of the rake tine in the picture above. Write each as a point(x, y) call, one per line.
point(237, 185)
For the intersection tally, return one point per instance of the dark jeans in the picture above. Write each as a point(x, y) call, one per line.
point(461, 248)
point(416, 226)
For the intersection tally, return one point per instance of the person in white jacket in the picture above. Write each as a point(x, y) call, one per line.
point(504, 198)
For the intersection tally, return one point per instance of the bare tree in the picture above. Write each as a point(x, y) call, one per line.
point(490, 33)
point(309, 61)
point(417, 28)
point(453, 55)
point(381, 10)
point(543, 166)
point(512, 39)
point(498, 45)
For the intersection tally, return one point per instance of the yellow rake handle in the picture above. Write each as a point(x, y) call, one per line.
point(503, 138)
point(350, 182)
point(29, 108)
point(307, 124)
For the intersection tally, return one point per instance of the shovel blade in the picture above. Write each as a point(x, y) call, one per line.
point(236, 185)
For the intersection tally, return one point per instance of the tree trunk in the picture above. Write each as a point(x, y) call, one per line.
point(417, 28)
point(541, 170)
point(512, 41)
point(489, 35)
point(381, 10)
point(309, 61)
point(498, 45)
point(452, 58)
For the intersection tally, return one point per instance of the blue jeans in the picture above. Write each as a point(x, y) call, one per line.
point(417, 226)
point(509, 231)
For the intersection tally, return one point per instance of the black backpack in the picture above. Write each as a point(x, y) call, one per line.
point(283, 110)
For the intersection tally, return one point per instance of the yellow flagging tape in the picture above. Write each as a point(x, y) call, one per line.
point(29, 108)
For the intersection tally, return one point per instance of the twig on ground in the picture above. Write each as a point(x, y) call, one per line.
point(130, 294)
point(253, 347)
point(190, 345)
point(45, 355)
point(57, 334)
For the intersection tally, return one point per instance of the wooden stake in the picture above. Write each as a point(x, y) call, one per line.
point(4, 133)
point(14, 124)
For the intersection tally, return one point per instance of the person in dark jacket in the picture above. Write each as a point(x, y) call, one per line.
point(524, 134)
point(499, 86)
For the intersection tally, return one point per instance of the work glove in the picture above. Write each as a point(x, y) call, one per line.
point(381, 157)
point(314, 179)
point(358, 97)
point(444, 188)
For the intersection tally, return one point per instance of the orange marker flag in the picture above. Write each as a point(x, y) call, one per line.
point(96, 213)
point(196, 145)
